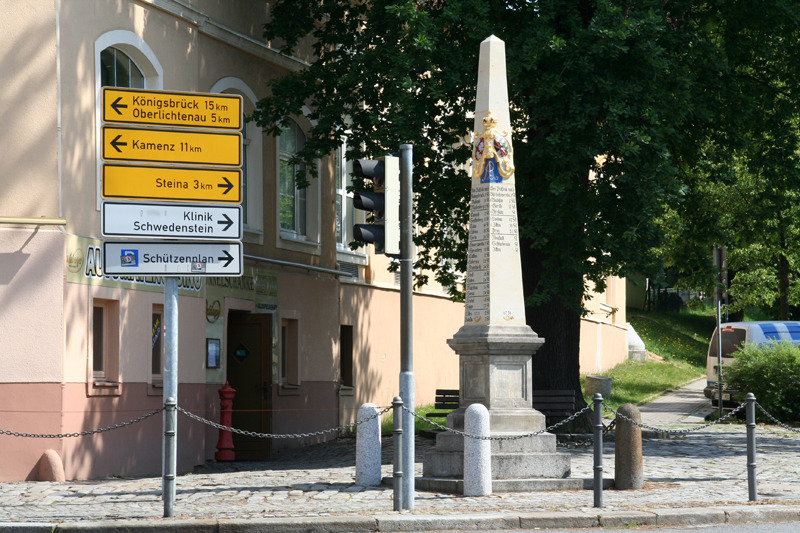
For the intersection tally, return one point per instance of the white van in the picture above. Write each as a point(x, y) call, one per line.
point(734, 336)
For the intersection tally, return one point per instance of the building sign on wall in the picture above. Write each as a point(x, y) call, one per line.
point(85, 266)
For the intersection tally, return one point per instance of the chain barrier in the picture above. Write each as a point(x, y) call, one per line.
point(81, 433)
point(778, 422)
point(508, 437)
point(676, 431)
point(281, 435)
point(550, 429)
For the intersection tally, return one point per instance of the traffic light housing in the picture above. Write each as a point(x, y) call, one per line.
point(383, 201)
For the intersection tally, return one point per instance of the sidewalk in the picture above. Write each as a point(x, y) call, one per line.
point(698, 478)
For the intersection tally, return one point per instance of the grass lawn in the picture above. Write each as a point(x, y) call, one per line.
point(680, 339)
point(387, 420)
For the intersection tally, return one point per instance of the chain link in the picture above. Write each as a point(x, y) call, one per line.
point(82, 433)
point(778, 422)
point(284, 435)
point(677, 431)
point(508, 437)
point(352, 425)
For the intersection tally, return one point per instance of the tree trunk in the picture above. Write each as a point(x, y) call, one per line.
point(556, 365)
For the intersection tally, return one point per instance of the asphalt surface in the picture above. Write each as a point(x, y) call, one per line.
point(696, 476)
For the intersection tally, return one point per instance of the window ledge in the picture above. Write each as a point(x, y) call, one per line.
point(109, 384)
point(297, 243)
point(104, 388)
point(349, 256)
point(345, 390)
point(156, 387)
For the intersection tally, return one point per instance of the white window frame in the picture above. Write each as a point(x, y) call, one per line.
point(288, 239)
point(343, 171)
point(144, 58)
point(253, 168)
point(105, 381)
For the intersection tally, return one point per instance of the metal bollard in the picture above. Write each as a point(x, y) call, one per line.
point(397, 440)
point(598, 450)
point(750, 407)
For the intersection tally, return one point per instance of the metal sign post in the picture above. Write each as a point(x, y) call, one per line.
point(170, 457)
point(406, 323)
point(719, 357)
point(202, 130)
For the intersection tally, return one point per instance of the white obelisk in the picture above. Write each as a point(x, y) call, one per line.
point(495, 345)
point(494, 322)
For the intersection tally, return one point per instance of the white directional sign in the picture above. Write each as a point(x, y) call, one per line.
point(180, 221)
point(128, 258)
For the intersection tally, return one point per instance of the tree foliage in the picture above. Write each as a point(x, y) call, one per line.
point(622, 110)
point(746, 191)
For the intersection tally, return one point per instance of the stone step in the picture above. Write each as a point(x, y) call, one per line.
point(456, 486)
point(504, 465)
point(544, 443)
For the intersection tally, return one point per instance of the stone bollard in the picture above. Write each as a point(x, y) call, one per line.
point(628, 471)
point(477, 452)
point(598, 384)
point(368, 447)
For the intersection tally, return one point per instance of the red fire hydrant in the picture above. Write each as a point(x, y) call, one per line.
point(225, 442)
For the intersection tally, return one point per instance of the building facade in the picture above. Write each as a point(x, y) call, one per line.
point(308, 334)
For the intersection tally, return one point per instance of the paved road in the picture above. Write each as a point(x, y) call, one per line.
point(695, 477)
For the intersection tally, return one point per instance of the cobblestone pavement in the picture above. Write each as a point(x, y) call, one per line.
point(704, 469)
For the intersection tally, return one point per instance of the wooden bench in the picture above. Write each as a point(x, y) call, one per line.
point(445, 399)
point(548, 402)
point(554, 402)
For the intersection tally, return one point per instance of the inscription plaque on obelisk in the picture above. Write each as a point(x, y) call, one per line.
point(495, 345)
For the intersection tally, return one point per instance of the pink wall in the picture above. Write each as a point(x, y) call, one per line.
point(27, 408)
point(133, 450)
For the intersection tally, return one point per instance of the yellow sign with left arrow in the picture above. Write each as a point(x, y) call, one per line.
point(171, 108)
point(172, 146)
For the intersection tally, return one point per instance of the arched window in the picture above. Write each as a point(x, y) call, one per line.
point(293, 205)
point(117, 69)
point(252, 161)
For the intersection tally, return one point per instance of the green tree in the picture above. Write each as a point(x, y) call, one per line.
point(744, 195)
point(611, 101)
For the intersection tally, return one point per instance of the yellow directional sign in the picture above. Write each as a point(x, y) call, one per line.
point(172, 183)
point(166, 108)
point(172, 146)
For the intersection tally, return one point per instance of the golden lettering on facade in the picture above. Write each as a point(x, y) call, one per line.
point(213, 311)
point(75, 261)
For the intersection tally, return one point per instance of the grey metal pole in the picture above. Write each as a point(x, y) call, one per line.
point(406, 319)
point(719, 358)
point(598, 450)
point(170, 446)
point(397, 437)
point(750, 402)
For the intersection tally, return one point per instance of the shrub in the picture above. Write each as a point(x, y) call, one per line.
point(772, 373)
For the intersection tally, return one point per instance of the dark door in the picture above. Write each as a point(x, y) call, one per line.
point(249, 364)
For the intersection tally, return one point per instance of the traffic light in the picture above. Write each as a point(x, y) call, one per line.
point(383, 201)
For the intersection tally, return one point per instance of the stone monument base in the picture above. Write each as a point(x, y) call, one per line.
point(518, 464)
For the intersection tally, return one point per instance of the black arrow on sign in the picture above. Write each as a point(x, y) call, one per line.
point(116, 143)
point(116, 106)
point(228, 222)
point(227, 258)
point(227, 185)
